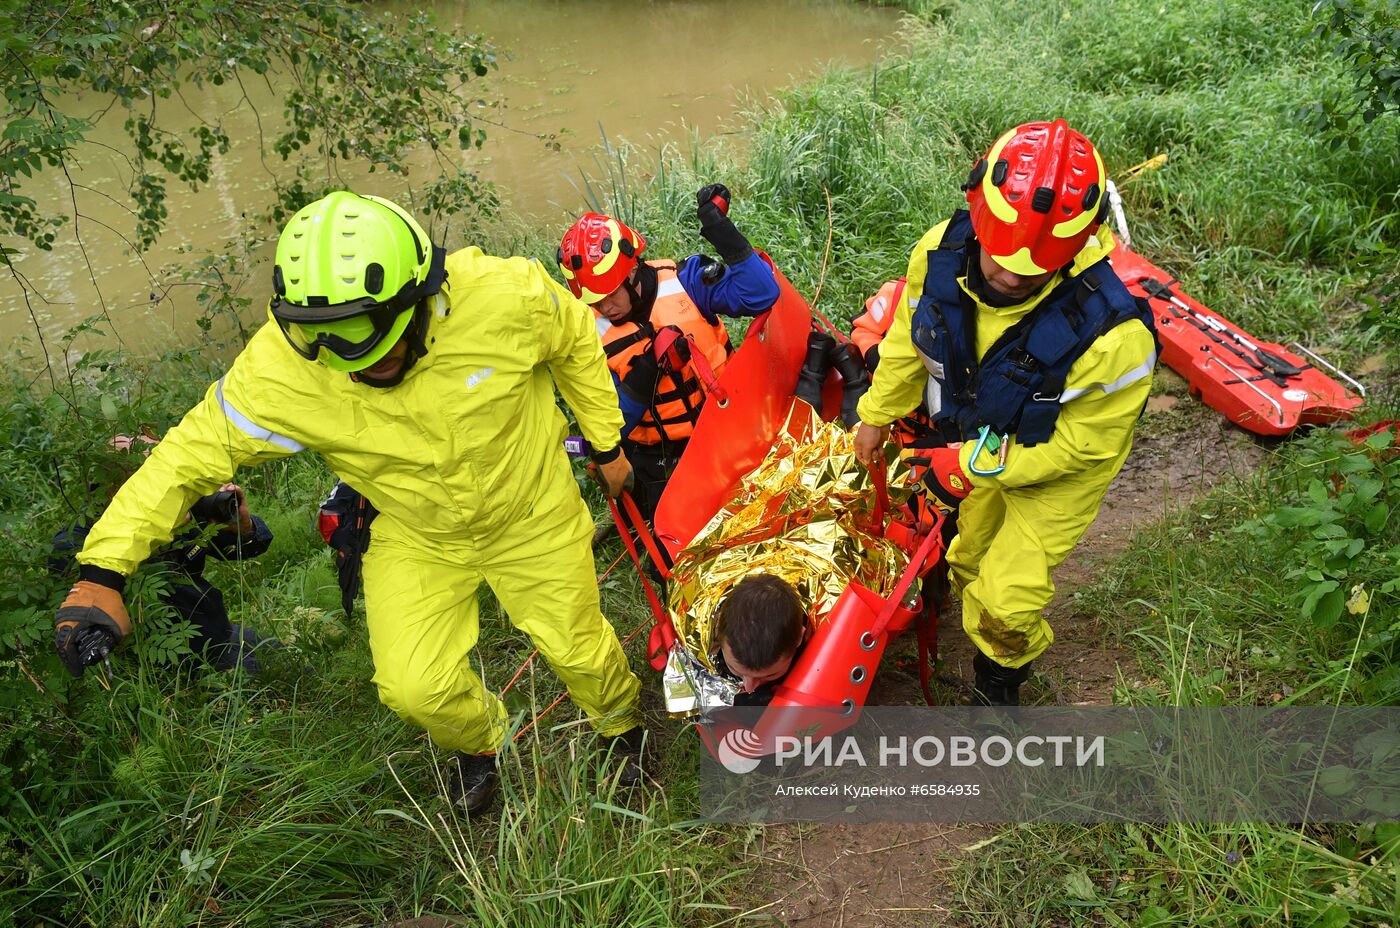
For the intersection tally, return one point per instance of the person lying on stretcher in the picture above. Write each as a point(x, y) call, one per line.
point(762, 576)
point(760, 630)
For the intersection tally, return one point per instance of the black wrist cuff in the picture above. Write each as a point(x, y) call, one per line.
point(102, 576)
point(606, 457)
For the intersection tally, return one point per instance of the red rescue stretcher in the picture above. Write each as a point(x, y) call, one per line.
point(1261, 386)
point(736, 429)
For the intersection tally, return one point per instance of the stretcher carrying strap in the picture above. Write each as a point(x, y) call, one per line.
point(628, 519)
point(915, 567)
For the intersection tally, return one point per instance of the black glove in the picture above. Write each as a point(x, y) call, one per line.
point(640, 382)
point(709, 193)
point(219, 508)
point(717, 227)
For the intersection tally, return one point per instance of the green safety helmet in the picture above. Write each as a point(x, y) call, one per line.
point(349, 274)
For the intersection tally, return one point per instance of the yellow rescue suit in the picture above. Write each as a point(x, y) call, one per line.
point(464, 461)
point(1017, 526)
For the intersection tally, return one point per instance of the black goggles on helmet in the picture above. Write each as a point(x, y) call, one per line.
point(310, 328)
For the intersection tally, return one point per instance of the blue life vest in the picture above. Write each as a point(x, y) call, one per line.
point(1015, 388)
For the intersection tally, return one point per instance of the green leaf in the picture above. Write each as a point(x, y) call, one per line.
point(1314, 595)
point(1318, 492)
point(1078, 885)
point(1337, 781)
point(1329, 609)
point(1334, 917)
point(109, 408)
point(1154, 916)
point(1376, 518)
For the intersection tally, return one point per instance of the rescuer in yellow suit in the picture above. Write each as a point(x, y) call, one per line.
point(434, 396)
point(1028, 350)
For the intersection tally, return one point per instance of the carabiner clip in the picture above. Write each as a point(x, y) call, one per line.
point(985, 438)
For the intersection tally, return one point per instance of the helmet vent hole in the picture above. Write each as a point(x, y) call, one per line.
point(374, 278)
point(999, 171)
point(1043, 199)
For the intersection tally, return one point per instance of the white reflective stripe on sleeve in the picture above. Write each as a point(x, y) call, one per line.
point(669, 287)
point(1133, 376)
point(249, 427)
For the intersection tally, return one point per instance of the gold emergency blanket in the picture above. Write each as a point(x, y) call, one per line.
point(804, 514)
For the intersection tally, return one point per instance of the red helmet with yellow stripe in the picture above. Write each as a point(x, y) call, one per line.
point(597, 254)
point(1037, 196)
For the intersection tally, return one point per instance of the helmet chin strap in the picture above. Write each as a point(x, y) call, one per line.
point(643, 294)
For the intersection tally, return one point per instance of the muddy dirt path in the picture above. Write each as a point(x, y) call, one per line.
point(900, 874)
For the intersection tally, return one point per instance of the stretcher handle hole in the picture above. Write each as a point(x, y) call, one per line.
point(847, 707)
point(867, 642)
point(858, 673)
point(723, 404)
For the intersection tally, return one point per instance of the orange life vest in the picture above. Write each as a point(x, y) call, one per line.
point(869, 329)
point(675, 406)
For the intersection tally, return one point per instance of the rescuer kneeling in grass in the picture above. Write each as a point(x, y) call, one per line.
point(1026, 348)
point(434, 396)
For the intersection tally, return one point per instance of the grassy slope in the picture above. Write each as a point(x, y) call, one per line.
point(282, 787)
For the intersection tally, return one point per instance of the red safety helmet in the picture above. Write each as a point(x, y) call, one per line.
point(597, 254)
point(1037, 196)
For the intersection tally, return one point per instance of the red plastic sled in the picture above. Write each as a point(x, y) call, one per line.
point(731, 438)
point(1261, 386)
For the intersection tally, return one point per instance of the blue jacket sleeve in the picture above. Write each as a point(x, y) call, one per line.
point(632, 408)
point(746, 289)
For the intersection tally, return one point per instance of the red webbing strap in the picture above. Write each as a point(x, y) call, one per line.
point(896, 597)
point(633, 520)
point(882, 495)
point(662, 345)
point(709, 378)
point(663, 633)
point(835, 332)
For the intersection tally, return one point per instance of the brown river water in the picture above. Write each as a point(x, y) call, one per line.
point(644, 73)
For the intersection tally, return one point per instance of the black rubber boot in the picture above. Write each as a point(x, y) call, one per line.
point(629, 756)
point(473, 782)
point(603, 531)
point(814, 370)
point(856, 379)
point(242, 649)
point(997, 685)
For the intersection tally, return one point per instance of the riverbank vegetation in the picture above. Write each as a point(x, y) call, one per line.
point(177, 798)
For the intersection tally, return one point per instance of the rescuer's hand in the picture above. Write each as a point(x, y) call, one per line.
point(870, 442)
point(90, 623)
point(615, 475)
